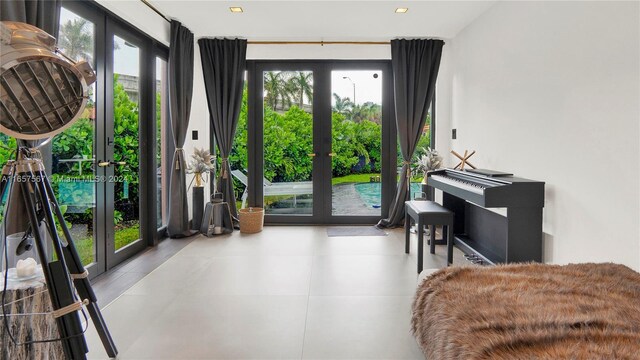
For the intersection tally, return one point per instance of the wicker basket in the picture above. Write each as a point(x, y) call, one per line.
point(251, 220)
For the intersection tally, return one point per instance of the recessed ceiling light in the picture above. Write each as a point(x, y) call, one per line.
point(402, 10)
point(235, 9)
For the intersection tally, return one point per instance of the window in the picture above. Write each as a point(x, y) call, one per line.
point(288, 141)
point(319, 133)
point(126, 141)
point(73, 151)
point(161, 106)
point(424, 143)
point(238, 159)
point(104, 166)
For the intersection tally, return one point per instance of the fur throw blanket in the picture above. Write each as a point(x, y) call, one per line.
point(529, 311)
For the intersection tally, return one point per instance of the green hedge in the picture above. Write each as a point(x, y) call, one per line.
point(288, 139)
point(7, 149)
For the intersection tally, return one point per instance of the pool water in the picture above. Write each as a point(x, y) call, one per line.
point(371, 192)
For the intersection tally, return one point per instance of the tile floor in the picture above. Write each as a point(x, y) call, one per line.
point(112, 284)
point(285, 293)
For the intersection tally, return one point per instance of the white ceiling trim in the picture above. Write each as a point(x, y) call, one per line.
point(324, 20)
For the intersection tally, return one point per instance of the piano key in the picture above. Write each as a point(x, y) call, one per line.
point(475, 188)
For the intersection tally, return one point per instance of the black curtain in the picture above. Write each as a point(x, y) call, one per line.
point(223, 65)
point(44, 14)
point(180, 94)
point(415, 66)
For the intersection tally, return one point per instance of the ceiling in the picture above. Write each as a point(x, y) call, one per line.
point(324, 20)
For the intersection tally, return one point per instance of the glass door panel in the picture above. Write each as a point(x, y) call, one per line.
point(288, 143)
point(424, 143)
point(125, 141)
point(161, 137)
point(356, 142)
point(94, 164)
point(238, 158)
point(73, 176)
point(320, 131)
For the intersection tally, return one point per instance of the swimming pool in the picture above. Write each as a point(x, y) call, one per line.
point(370, 192)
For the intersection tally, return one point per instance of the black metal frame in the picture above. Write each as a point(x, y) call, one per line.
point(114, 256)
point(432, 127)
point(322, 137)
point(94, 15)
point(161, 52)
point(106, 25)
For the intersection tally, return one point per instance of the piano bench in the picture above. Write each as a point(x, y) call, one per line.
point(431, 214)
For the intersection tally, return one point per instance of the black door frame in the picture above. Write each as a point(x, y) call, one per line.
point(161, 52)
point(94, 15)
point(113, 28)
point(321, 173)
point(106, 25)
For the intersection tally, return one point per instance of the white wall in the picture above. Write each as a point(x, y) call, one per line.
point(550, 91)
point(140, 16)
point(296, 52)
point(443, 104)
point(199, 119)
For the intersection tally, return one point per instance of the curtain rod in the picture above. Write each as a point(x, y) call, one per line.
point(156, 10)
point(321, 43)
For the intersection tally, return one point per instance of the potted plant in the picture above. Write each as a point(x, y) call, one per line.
point(200, 165)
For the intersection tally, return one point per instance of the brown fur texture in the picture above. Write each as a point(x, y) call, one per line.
point(529, 311)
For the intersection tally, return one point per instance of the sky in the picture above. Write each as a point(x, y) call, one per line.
point(126, 57)
point(367, 87)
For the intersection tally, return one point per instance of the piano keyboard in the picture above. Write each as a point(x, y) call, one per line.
point(466, 185)
point(491, 237)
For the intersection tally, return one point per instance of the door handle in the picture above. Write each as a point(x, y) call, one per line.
point(331, 154)
point(312, 155)
point(107, 163)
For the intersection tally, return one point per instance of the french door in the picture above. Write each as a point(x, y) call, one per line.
point(104, 167)
point(323, 141)
point(122, 155)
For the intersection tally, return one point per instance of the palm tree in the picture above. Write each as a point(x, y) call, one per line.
point(343, 105)
point(301, 84)
point(367, 111)
point(76, 40)
point(273, 88)
point(287, 89)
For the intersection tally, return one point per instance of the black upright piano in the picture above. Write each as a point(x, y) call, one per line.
point(512, 233)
